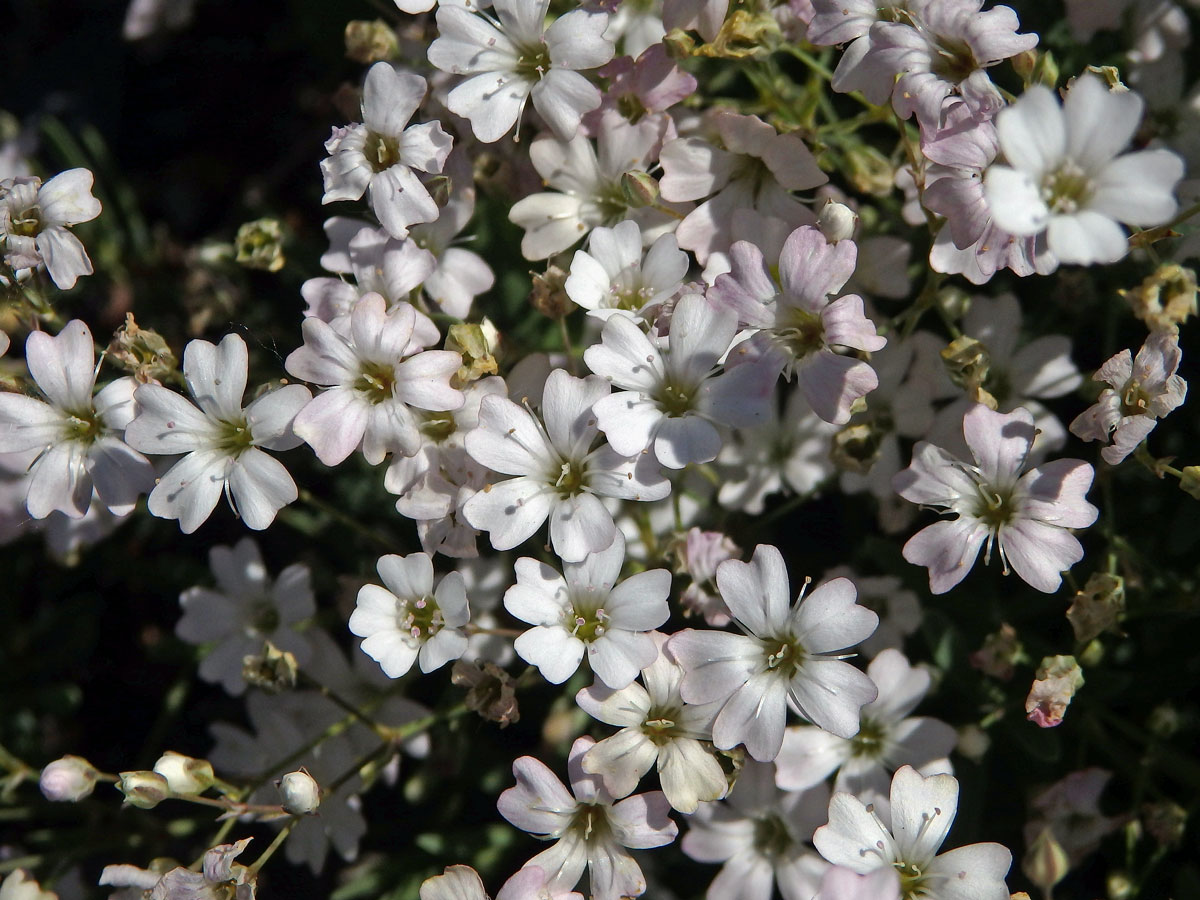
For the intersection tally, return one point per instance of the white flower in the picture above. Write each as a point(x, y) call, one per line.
point(559, 475)
point(887, 738)
point(34, 218)
point(378, 156)
point(245, 611)
point(587, 609)
point(1065, 175)
point(514, 58)
point(786, 656)
point(922, 811)
point(762, 835)
point(614, 276)
point(409, 621)
point(658, 730)
point(375, 366)
point(590, 829)
point(221, 440)
point(78, 435)
point(673, 399)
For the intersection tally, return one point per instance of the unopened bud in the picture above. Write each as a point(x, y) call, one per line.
point(639, 189)
point(144, 789)
point(1046, 863)
point(1036, 67)
point(68, 780)
point(259, 245)
point(371, 42)
point(300, 792)
point(837, 221)
point(1189, 481)
point(184, 774)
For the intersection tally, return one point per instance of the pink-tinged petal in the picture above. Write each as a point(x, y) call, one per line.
point(1015, 201)
point(1100, 123)
point(846, 325)
point(555, 651)
point(832, 383)
point(65, 257)
point(747, 876)
point(935, 478)
point(686, 440)
point(529, 883)
point(216, 376)
point(538, 803)
point(694, 169)
point(423, 380)
point(563, 863)
point(947, 549)
point(333, 424)
point(408, 576)
point(639, 603)
point(755, 716)
point(1139, 188)
point(260, 486)
point(456, 883)
point(540, 595)
point(1000, 442)
point(66, 199)
point(567, 404)
point(563, 96)
point(1039, 553)
point(830, 693)
point(689, 775)
point(579, 526)
point(508, 440)
point(624, 708)
point(739, 397)
point(63, 366)
point(511, 511)
point(810, 268)
point(190, 489)
point(974, 872)
point(399, 199)
point(757, 592)
point(577, 41)
point(114, 403)
point(1054, 493)
point(551, 221)
point(808, 756)
point(643, 821)
point(626, 357)
point(843, 884)
point(1033, 132)
point(628, 478)
point(717, 663)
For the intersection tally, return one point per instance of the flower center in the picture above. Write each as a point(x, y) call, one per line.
point(1067, 189)
point(381, 151)
point(27, 223)
point(235, 437)
point(262, 618)
point(1135, 400)
point(376, 381)
point(674, 400)
point(784, 655)
point(993, 508)
point(912, 880)
point(84, 427)
point(771, 836)
point(421, 618)
point(870, 742)
point(801, 332)
point(570, 480)
point(590, 822)
point(534, 61)
point(953, 60)
point(437, 426)
point(661, 724)
point(587, 622)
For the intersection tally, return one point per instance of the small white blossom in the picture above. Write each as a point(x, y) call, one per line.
point(34, 219)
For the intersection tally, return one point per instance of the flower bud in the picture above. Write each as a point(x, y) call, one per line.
point(144, 790)
point(259, 245)
point(476, 343)
point(837, 221)
point(184, 774)
point(68, 779)
point(1046, 863)
point(300, 792)
point(1189, 481)
point(273, 670)
point(371, 42)
point(142, 352)
point(639, 189)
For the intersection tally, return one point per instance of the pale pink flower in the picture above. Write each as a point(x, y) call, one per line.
point(1026, 516)
point(787, 656)
point(34, 218)
point(1141, 390)
point(591, 829)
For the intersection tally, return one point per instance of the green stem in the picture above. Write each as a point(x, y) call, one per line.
point(307, 496)
point(257, 865)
